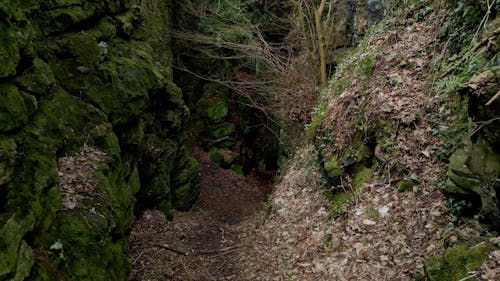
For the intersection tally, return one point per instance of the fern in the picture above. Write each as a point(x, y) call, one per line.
point(465, 65)
point(450, 83)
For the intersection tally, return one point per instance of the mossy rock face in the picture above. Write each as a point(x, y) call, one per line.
point(353, 19)
point(78, 74)
point(65, 15)
point(16, 257)
point(474, 169)
point(8, 157)
point(187, 170)
point(9, 51)
point(456, 263)
point(222, 130)
point(213, 104)
point(185, 182)
point(14, 108)
point(222, 158)
point(119, 84)
point(157, 165)
point(156, 190)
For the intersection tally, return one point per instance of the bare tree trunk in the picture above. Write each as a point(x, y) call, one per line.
point(321, 42)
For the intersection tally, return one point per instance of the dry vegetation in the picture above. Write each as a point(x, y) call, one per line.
point(381, 233)
point(77, 175)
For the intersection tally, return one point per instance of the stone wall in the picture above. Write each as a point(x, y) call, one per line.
point(89, 117)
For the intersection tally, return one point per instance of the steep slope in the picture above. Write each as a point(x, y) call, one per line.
point(367, 200)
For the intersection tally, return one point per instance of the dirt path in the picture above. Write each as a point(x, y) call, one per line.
point(203, 244)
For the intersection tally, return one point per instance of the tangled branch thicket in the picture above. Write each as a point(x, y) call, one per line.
point(270, 75)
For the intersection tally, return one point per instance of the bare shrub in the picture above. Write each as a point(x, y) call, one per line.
point(274, 80)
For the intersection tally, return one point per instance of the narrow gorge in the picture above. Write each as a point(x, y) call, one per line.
point(249, 140)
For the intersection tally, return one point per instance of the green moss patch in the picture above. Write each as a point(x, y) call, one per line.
point(222, 130)
point(332, 167)
point(9, 51)
point(14, 110)
point(457, 262)
point(185, 183)
point(405, 185)
point(8, 156)
point(474, 169)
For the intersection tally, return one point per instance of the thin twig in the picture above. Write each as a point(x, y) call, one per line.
point(188, 272)
point(170, 248)
point(473, 275)
point(139, 256)
point(225, 253)
point(478, 128)
point(223, 250)
point(493, 99)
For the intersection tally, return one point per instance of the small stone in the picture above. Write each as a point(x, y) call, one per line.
point(383, 211)
point(70, 205)
point(430, 248)
point(435, 213)
point(426, 153)
point(177, 227)
point(369, 222)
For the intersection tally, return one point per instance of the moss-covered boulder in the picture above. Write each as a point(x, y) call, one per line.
point(37, 79)
point(213, 104)
point(186, 178)
point(474, 169)
point(223, 158)
point(15, 107)
point(223, 130)
point(356, 158)
point(9, 50)
point(456, 263)
point(8, 156)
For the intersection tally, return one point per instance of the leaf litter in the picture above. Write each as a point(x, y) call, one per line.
point(381, 234)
